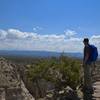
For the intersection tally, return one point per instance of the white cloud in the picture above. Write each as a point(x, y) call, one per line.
point(37, 28)
point(16, 34)
point(3, 34)
point(34, 29)
point(16, 39)
point(95, 39)
point(52, 37)
point(70, 33)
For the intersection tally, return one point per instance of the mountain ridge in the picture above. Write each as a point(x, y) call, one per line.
point(38, 53)
point(26, 53)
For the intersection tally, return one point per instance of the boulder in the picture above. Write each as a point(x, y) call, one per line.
point(11, 85)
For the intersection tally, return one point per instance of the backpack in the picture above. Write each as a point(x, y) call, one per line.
point(93, 54)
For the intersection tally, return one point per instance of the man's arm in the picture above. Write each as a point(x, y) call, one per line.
point(86, 58)
point(86, 55)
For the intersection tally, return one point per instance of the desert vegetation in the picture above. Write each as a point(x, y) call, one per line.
point(45, 75)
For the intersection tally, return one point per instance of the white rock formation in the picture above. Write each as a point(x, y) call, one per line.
point(11, 86)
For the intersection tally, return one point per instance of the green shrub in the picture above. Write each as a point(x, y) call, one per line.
point(62, 71)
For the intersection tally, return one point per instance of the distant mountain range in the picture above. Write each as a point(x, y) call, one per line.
point(38, 53)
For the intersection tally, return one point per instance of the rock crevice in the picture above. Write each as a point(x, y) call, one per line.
point(11, 85)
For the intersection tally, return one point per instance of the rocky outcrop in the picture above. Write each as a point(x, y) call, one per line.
point(11, 85)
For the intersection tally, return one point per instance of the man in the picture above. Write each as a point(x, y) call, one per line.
point(87, 65)
point(86, 51)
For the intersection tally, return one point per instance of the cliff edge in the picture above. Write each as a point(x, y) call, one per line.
point(11, 85)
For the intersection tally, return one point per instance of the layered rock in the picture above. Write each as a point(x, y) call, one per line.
point(11, 85)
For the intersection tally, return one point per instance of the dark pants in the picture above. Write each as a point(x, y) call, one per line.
point(88, 90)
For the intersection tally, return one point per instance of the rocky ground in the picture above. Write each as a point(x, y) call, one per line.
point(96, 83)
point(11, 85)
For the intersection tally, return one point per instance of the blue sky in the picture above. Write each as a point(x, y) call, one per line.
point(49, 17)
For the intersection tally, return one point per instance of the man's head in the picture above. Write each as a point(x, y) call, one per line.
point(86, 41)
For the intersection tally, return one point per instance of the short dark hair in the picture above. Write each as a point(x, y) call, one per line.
point(86, 40)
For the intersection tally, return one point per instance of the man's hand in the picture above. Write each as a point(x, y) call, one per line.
point(84, 63)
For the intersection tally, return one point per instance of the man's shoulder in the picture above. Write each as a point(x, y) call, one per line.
point(87, 47)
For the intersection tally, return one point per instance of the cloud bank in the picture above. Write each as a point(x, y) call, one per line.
point(14, 39)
